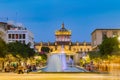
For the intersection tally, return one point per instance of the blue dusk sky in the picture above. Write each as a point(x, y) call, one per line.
point(43, 17)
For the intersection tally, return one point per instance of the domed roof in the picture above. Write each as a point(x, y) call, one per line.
point(63, 31)
point(63, 28)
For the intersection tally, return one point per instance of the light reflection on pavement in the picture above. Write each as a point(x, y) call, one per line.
point(58, 76)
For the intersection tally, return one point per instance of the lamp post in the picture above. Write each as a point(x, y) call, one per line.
point(119, 41)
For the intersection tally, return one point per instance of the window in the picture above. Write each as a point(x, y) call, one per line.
point(9, 36)
point(94, 36)
point(104, 34)
point(77, 50)
point(84, 50)
point(81, 49)
point(74, 49)
point(16, 36)
point(13, 36)
point(20, 36)
point(23, 36)
point(114, 33)
point(88, 49)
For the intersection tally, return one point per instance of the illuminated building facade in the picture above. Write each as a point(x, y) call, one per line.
point(63, 37)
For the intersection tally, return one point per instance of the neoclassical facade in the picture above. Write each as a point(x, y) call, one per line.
point(63, 37)
point(63, 40)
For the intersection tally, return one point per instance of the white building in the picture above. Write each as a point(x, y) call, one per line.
point(3, 28)
point(17, 33)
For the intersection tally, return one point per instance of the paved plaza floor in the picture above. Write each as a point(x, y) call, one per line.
point(58, 76)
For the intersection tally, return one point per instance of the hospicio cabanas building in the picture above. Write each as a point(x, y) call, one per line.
point(63, 39)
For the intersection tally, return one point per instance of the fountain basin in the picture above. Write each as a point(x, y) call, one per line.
point(69, 69)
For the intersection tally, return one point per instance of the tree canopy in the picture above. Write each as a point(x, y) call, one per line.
point(109, 45)
point(3, 48)
point(45, 49)
point(23, 50)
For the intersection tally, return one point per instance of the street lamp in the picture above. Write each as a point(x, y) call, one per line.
point(119, 38)
point(119, 41)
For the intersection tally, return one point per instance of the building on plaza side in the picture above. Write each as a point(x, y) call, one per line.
point(3, 29)
point(11, 33)
point(98, 35)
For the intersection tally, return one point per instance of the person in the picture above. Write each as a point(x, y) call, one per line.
point(71, 62)
point(91, 66)
point(20, 69)
point(29, 68)
point(34, 67)
point(7, 68)
point(88, 67)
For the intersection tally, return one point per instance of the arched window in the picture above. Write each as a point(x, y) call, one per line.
point(88, 49)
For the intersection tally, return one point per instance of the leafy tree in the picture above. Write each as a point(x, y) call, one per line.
point(94, 55)
point(3, 52)
point(23, 50)
point(43, 52)
point(3, 48)
point(109, 45)
point(45, 49)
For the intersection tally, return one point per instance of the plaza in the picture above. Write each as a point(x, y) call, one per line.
point(35, 44)
point(58, 76)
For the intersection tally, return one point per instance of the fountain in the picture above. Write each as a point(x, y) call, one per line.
point(57, 63)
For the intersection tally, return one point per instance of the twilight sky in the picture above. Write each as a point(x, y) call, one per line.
point(43, 17)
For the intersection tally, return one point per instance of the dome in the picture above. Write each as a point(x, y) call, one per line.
point(63, 31)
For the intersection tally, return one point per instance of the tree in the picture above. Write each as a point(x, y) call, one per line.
point(43, 52)
point(109, 45)
point(3, 51)
point(45, 49)
point(94, 55)
point(3, 48)
point(23, 50)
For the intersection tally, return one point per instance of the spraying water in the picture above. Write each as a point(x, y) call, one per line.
point(57, 62)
